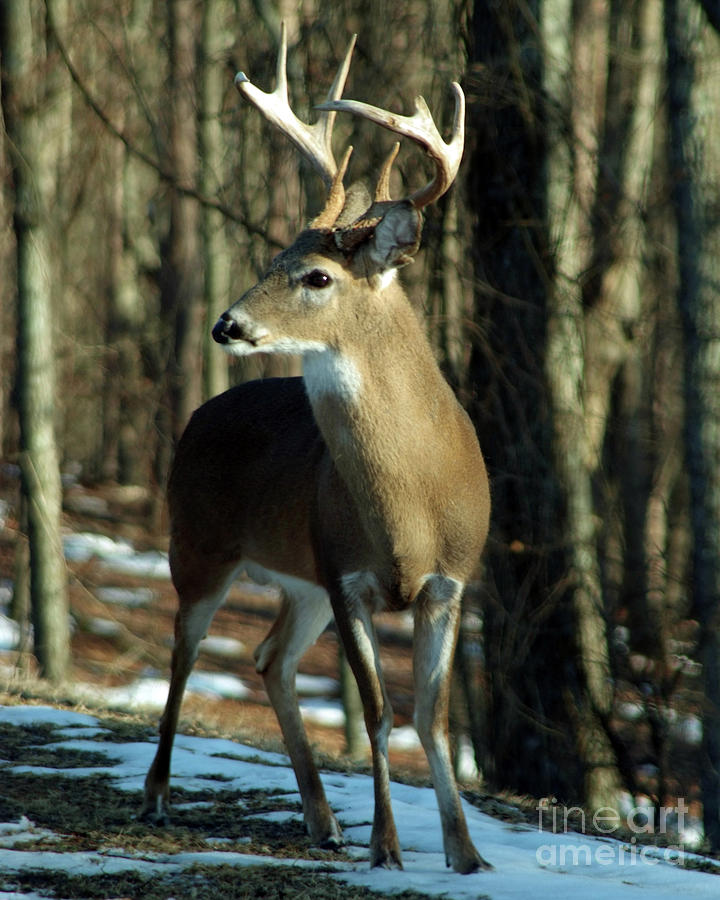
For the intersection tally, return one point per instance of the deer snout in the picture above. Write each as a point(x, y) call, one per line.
point(226, 329)
point(238, 332)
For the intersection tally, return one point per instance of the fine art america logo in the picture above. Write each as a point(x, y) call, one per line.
point(627, 828)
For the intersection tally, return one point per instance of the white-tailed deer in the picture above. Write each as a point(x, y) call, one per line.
point(356, 488)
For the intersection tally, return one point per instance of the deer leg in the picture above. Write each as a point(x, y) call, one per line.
point(304, 614)
point(192, 621)
point(353, 614)
point(437, 617)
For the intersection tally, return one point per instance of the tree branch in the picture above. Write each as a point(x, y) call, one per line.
point(164, 174)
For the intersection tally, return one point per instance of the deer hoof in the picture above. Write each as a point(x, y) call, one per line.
point(334, 842)
point(468, 864)
point(382, 858)
point(328, 836)
point(154, 812)
point(334, 839)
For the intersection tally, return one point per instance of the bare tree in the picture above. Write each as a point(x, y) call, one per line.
point(22, 49)
point(694, 139)
point(181, 277)
point(214, 79)
point(565, 369)
point(127, 406)
point(558, 308)
point(528, 637)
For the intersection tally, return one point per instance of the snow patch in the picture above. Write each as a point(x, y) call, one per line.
point(83, 546)
point(118, 555)
point(9, 633)
point(217, 645)
point(123, 596)
point(323, 712)
point(316, 685)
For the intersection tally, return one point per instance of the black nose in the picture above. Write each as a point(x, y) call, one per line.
point(226, 329)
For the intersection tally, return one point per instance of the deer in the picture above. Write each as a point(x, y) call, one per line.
point(357, 487)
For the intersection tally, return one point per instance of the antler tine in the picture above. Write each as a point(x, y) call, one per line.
point(382, 188)
point(336, 197)
point(313, 141)
point(326, 122)
point(420, 128)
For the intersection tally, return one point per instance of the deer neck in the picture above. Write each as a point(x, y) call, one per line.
point(387, 417)
point(376, 388)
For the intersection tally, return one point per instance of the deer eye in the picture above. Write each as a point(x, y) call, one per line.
point(317, 279)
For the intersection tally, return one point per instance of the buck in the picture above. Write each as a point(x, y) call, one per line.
point(356, 488)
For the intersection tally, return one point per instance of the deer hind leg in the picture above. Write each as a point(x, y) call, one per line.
point(303, 616)
point(437, 617)
point(197, 606)
point(353, 614)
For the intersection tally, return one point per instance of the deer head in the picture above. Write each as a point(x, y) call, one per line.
point(294, 307)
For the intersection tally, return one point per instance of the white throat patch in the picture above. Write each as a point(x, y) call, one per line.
point(329, 373)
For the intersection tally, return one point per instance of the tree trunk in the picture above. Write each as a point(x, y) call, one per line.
point(20, 607)
point(125, 404)
point(614, 314)
point(181, 281)
point(565, 369)
point(21, 78)
point(694, 148)
point(528, 638)
point(128, 406)
point(214, 80)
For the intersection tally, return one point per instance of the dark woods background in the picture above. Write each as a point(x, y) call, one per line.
point(569, 283)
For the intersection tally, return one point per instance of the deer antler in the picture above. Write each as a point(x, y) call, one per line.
point(313, 141)
point(420, 128)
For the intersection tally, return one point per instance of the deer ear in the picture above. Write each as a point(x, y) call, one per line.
point(396, 237)
point(357, 200)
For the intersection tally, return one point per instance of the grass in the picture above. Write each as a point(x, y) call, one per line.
point(206, 883)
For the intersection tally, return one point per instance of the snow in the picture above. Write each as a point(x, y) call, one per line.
point(83, 546)
point(150, 691)
point(103, 627)
point(217, 684)
point(219, 645)
point(9, 633)
point(528, 862)
point(151, 564)
point(316, 685)
point(328, 713)
point(123, 596)
point(145, 693)
point(117, 555)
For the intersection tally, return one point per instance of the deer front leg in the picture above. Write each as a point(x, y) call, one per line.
point(304, 614)
point(354, 620)
point(437, 617)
